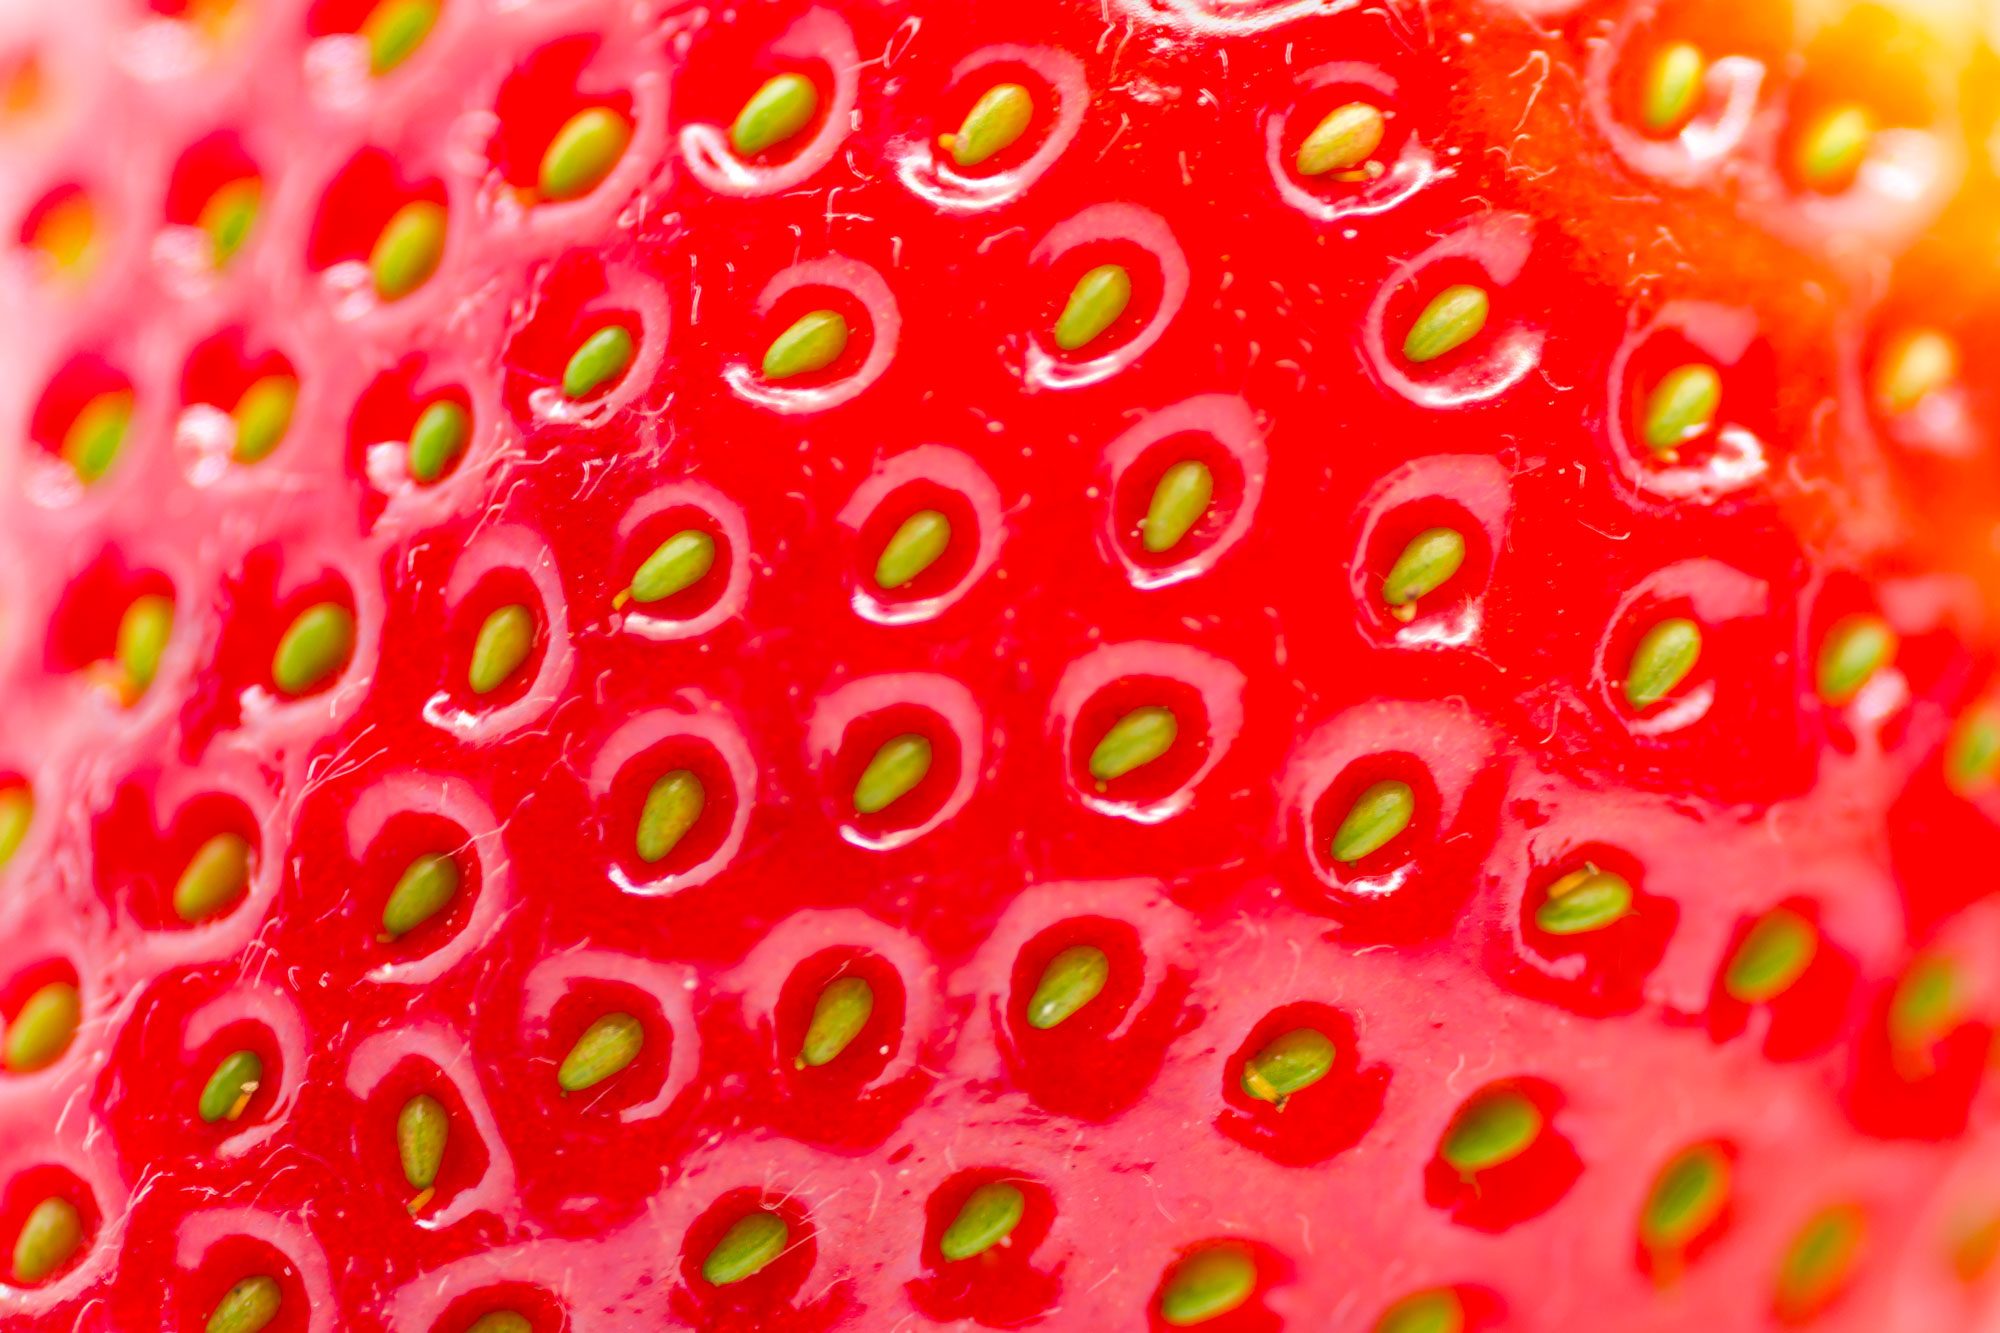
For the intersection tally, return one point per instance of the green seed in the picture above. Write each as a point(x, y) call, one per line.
point(1377, 816)
point(1095, 303)
point(143, 632)
point(680, 562)
point(814, 342)
point(249, 1307)
point(1136, 739)
point(1834, 146)
point(1917, 365)
point(989, 1216)
point(504, 641)
point(1207, 1285)
point(1682, 407)
point(996, 122)
point(1432, 557)
point(1673, 87)
point(1179, 500)
point(1490, 1130)
point(600, 361)
point(1583, 901)
point(1820, 1260)
point(44, 1028)
point(425, 888)
point(1452, 319)
point(606, 1046)
point(896, 768)
point(437, 439)
point(1073, 978)
point(1343, 141)
point(1665, 655)
point(49, 1239)
point(214, 878)
point(746, 1249)
point(92, 442)
point(501, 1321)
point(422, 1127)
point(1774, 954)
point(17, 814)
point(839, 1014)
point(316, 646)
point(1289, 1063)
point(914, 548)
point(1687, 1198)
point(230, 1088)
point(1854, 650)
point(774, 113)
point(1926, 1004)
point(229, 215)
point(1972, 756)
point(408, 250)
point(395, 28)
point(1438, 1311)
point(263, 414)
point(672, 806)
point(583, 152)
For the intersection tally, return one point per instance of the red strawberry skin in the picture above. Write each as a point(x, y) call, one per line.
point(1265, 339)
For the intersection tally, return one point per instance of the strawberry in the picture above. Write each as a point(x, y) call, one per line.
point(888, 664)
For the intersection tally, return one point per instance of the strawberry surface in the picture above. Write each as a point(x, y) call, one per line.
point(1324, 669)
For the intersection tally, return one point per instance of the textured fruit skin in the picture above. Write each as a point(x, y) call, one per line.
point(1262, 337)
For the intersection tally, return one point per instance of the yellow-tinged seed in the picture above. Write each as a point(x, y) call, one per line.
point(1687, 1197)
point(1288, 1063)
point(989, 1216)
point(1491, 1129)
point(996, 122)
point(505, 639)
point(673, 804)
point(501, 1321)
point(1972, 755)
point(96, 434)
point(249, 1306)
point(1584, 900)
point(214, 877)
point(679, 562)
point(606, 1047)
point(1179, 500)
point(1830, 152)
point(1673, 88)
point(1095, 303)
point(583, 152)
point(1855, 649)
point(813, 342)
point(231, 1085)
point(1682, 407)
point(838, 1016)
point(1439, 1311)
point(775, 112)
point(228, 215)
point(394, 29)
point(1343, 141)
point(1820, 1261)
point(914, 548)
point(422, 1128)
point(437, 439)
point(67, 234)
point(1136, 739)
point(894, 771)
point(425, 888)
point(1774, 954)
point(50, 1237)
point(263, 414)
point(746, 1249)
point(1425, 565)
point(43, 1028)
point(1073, 978)
point(1377, 816)
point(1207, 1285)
point(315, 647)
point(1915, 365)
point(1665, 655)
point(1453, 318)
point(143, 632)
point(17, 814)
point(1927, 1005)
point(408, 250)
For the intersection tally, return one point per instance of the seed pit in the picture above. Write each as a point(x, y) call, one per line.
point(625, 824)
point(49, 1218)
point(912, 806)
point(1593, 955)
point(140, 865)
point(586, 1001)
point(670, 586)
point(41, 1007)
point(1494, 1198)
point(358, 204)
point(1317, 1121)
point(465, 1158)
point(537, 100)
point(402, 433)
point(83, 417)
point(1158, 778)
point(1000, 1285)
point(871, 1051)
point(771, 1289)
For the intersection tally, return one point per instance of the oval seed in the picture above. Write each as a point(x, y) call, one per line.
point(43, 1028)
point(896, 768)
point(813, 342)
point(1438, 1311)
point(996, 122)
point(774, 113)
point(229, 215)
point(50, 1237)
point(914, 548)
point(1665, 655)
point(1926, 1005)
point(1853, 651)
point(96, 434)
point(583, 152)
point(598, 362)
point(1136, 739)
point(680, 562)
point(1673, 87)
point(606, 1046)
point(263, 414)
point(425, 888)
point(989, 1216)
point(1583, 901)
point(1972, 756)
point(504, 641)
point(1490, 1130)
point(143, 632)
point(395, 28)
point(1820, 1260)
point(17, 814)
point(1915, 366)
point(1681, 408)
point(1452, 319)
point(316, 646)
point(501, 1321)
point(408, 250)
point(1179, 500)
point(1833, 147)
point(838, 1016)
point(1289, 1063)
point(1073, 978)
point(214, 878)
point(1377, 816)
point(1431, 558)
point(1687, 1198)
point(673, 804)
point(1095, 303)
point(249, 1307)
point(1343, 141)
point(1774, 954)
point(230, 1088)
point(1206, 1285)
point(422, 1127)
point(746, 1249)
point(437, 439)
